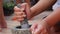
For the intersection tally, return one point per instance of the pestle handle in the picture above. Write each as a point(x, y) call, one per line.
point(24, 23)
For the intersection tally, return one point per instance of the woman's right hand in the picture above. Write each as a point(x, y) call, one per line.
point(40, 27)
point(19, 14)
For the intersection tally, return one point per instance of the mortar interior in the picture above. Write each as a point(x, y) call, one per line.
point(19, 27)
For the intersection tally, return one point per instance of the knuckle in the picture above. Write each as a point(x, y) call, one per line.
point(17, 9)
point(24, 15)
point(24, 3)
point(18, 13)
point(14, 7)
point(20, 19)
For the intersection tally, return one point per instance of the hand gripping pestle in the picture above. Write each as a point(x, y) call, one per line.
point(24, 23)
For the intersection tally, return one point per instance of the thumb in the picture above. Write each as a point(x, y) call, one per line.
point(26, 7)
point(23, 6)
point(28, 11)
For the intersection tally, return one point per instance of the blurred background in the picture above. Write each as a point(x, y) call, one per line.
point(8, 6)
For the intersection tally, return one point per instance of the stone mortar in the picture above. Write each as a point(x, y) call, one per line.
point(18, 30)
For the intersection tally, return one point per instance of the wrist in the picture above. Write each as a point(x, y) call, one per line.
point(47, 26)
point(44, 23)
point(30, 14)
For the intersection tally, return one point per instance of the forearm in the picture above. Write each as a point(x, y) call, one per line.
point(53, 18)
point(41, 6)
point(2, 19)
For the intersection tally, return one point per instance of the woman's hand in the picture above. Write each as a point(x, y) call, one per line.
point(19, 14)
point(39, 28)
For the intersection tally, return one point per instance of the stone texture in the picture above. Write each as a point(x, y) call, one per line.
point(21, 31)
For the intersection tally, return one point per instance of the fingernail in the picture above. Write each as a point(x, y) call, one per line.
point(32, 32)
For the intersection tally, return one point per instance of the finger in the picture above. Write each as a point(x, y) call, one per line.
point(16, 9)
point(19, 16)
point(23, 15)
point(33, 27)
point(20, 19)
point(19, 13)
point(32, 32)
point(39, 29)
point(44, 32)
point(23, 5)
point(14, 18)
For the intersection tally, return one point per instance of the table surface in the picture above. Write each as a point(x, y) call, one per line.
point(11, 24)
